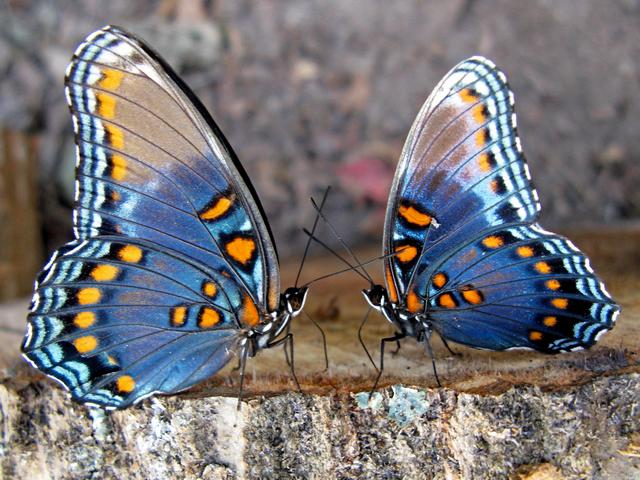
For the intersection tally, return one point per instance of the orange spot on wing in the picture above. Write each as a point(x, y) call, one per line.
point(118, 167)
point(550, 321)
point(125, 384)
point(535, 336)
point(472, 295)
point(493, 241)
point(178, 316)
point(484, 163)
point(85, 344)
point(84, 319)
point(406, 253)
point(241, 249)
point(130, 254)
point(552, 284)
point(87, 296)
point(561, 303)
point(414, 216)
point(479, 114)
point(106, 105)
point(525, 251)
point(391, 286)
point(542, 267)
point(439, 280)
point(209, 289)
point(481, 137)
point(446, 300)
point(111, 79)
point(414, 303)
point(115, 195)
point(219, 208)
point(208, 318)
point(468, 96)
point(250, 314)
point(115, 135)
point(104, 273)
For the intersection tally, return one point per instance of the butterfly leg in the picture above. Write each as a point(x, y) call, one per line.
point(242, 366)
point(288, 341)
point(427, 341)
point(324, 341)
point(395, 352)
point(398, 336)
point(446, 344)
point(366, 350)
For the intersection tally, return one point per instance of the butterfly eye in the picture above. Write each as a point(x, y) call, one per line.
point(294, 299)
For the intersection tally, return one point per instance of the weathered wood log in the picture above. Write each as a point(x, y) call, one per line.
point(498, 415)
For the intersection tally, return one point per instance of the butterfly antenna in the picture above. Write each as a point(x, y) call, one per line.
point(342, 242)
point(352, 268)
point(313, 230)
point(337, 255)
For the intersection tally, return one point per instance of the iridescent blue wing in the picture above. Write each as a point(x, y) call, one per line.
point(153, 165)
point(116, 319)
point(461, 171)
point(519, 286)
point(461, 218)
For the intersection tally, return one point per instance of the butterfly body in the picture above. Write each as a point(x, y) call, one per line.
point(464, 254)
point(173, 270)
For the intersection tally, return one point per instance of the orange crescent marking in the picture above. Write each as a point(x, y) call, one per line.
point(130, 254)
point(178, 316)
point(406, 253)
point(525, 251)
point(478, 114)
point(472, 296)
point(493, 241)
point(550, 321)
point(446, 300)
point(111, 79)
point(542, 267)
point(250, 314)
point(414, 216)
point(391, 286)
point(209, 289)
point(221, 207)
point(468, 96)
point(552, 284)
point(106, 105)
point(209, 317)
point(481, 137)
point(116, 135)
point(414, 303)
point(484, 163)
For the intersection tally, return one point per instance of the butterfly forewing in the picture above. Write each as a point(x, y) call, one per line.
point(153, 165)
point(461, 171)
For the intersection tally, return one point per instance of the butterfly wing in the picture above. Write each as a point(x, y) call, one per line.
point(116, 319)
point(519, 286)
point(461, 171)
point(153, 165)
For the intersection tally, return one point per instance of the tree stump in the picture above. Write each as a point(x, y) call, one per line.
point(499, 415)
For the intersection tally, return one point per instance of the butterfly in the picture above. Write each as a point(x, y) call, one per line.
point(464, 254)
point(173, 270)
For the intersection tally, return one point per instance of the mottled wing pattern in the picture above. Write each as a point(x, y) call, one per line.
point(153, 165)
point(461, 171)
point(116, 319)
point(519, 286)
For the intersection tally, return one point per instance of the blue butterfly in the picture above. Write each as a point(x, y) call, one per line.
point(173, 270)
point(464, 256)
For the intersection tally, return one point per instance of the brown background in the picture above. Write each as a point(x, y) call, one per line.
point(323, 92)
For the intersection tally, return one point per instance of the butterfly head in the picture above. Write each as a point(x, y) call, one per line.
point(293, 299)
point(376, 296)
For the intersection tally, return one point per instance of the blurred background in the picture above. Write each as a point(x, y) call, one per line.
point(323, 92)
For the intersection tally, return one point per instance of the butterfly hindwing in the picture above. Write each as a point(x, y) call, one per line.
point(518, 287)
point(153, 165)
point(116, 319)
point(461, 171)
